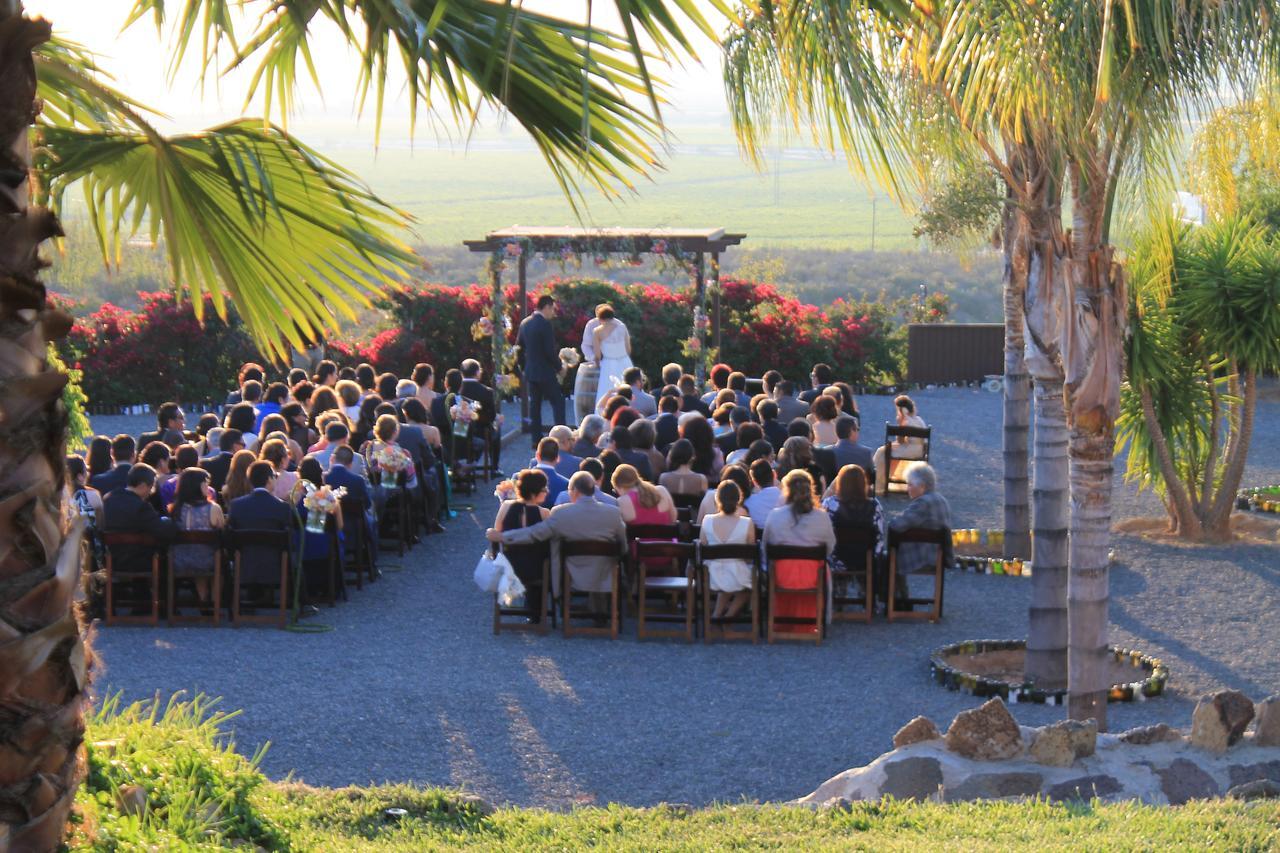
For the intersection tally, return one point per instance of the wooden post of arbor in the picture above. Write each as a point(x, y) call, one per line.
point(700, 292)
point(715, 302)
point(522, 267)
point(495, 314)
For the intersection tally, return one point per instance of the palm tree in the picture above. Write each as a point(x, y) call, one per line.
point(1098, 88)
point(247, 210)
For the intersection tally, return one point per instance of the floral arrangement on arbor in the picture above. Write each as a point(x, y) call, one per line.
point(320, 502)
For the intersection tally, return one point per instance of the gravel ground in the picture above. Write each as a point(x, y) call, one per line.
point(411, 685)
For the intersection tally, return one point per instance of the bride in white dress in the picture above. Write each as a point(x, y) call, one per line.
point(611, 349)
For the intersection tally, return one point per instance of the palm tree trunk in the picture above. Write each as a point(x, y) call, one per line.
point(42, 654)
point(1218, 523)
point(1179, 503)
point(1017, 411)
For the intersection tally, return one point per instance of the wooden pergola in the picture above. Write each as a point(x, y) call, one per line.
point(688, 244)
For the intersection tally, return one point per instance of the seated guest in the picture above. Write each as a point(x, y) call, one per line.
point(486, 418)
point(848, 403)
point(237, 482)
point(928, 510)
point(611, 404)
point(789, 406)
point(624, 418)
point(86, 500)
point(822, 419)
point(242, 417)
point(765, 494)
point(424, 376)
point(325, 400)
point(386, 432)
point(739, 475)
point(386, 386)
point(671, 374)
point(440, 405)
point(847, 450)
point(620, 443)
point(707, 458)
point(609, 461)
point(260, 510)
point(337, 435)
point(721, 428)
point(275, 426)
point(184, 457)
point(366, 377)
point(406, 389)
point(583, 518)
point(169, 420)
point(641, 400)
point(418, 417)
point(643, 435)
point(326, 375)
point(905, 448)
point(797, 455)
point(297, 426)
point(770, 381)
point(362, 428)
point(747, 434)
point(158, 456)
point(689, 399)
point(273, 398)
point(728, 525)
point(738, 385)
point(759, 449)
point(566, 463)
point(821, 377)
point(850, 504)
point(249, 371)
point(641, 502)
point(128, 510)
point(341, 475)
point(719, 377)
point(667, 424)
point(680, 478)
point(800, 523)
point(275, 452)
point(528, 561)
point(294, 376)
point(347, 373)
point(302, 392)
point(251, 392)
point(350, 394)
point(547, 457)
point(207, 423)
point(229, 443)
point(593, 467)
point(588, 444)
point(98, 458)
point(192, 509)
point(122, 452)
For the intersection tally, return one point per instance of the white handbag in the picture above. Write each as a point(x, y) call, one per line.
point(489, 571)
point(510, 589)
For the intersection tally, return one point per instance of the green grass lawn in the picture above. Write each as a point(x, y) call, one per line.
point(202, 795)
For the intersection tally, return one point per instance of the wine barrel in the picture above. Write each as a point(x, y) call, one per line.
point(584, 391)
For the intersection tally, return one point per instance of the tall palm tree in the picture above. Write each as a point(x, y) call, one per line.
point(247, 210)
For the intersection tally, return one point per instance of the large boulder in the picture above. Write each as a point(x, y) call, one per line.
point(1060, 744)
point(1259, 789)
point(1267, 728)
point(1220, 719)
point(988, 733)
point(915, 778)
point(917, 731)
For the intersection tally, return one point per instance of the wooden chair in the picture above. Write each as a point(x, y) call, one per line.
point(151, 576)
point(892, 432)
point(750, 553)
point(334, 579)
point(941, 538)
point(661, 586)
point(817, 554)
point(397, 512)
point(855, 537)
point(358, 555)
point(588, 548)
point(212, 538)
point(687, 507)
point(238, 542)
point(548, 605)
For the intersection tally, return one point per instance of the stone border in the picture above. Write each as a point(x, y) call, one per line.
point(976, 685)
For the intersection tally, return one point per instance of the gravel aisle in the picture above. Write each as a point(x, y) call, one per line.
point(412, 686)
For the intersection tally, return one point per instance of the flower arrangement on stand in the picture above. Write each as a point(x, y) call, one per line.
point(320, 503)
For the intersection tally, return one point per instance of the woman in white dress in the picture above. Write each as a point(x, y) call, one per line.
point(612, 348)
point(730, 525)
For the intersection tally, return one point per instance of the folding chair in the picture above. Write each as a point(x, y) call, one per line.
point(687, 507)
point(334, 578)
point(548, 605)
point(750, 553)
point(357, 556)
point(212, 538)
point(151, 576)
point(818, 556)
point(684, 553)
point(866, 539)
point(941, 538)
point(276, 541)
point(588, 548)
point(892, 432)
point(396, 512)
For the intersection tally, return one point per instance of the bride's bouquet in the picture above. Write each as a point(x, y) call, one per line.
point(320, 502)
point(569, 359)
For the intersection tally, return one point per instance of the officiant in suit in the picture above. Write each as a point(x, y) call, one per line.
point(537, 341)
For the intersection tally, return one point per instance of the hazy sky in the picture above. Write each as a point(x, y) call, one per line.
point(138, 58)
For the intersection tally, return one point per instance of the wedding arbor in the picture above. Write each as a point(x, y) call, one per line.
point(688, 247)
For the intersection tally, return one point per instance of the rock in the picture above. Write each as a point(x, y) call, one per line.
point(1084, 788)
point(1258, 789)
point(988, 733)
point(1185, 780)
point(837, 804)
point(1241, 773)
point(132, 799)
point(1144, 735)
point(915, 778)
point(917, 731)
point(472, 803)
point(678, 809)
point(1267, 728)
point(1060, 744)
point(991, 786)
point(1220, 719)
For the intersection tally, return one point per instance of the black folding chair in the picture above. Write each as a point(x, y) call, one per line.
point(855, 537)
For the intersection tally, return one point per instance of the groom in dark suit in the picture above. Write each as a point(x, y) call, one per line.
point(537, 341)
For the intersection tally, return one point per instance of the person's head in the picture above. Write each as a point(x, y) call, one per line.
point(768, 411)
point(834, 392)
point(625, 417)
point(192, 490)
point(592, 466)
point(531, 485)
point(759, 449)
point(821, 374)
point(563, 437)
point(249, 371)
point(785, 388)
point(748, 433)
point(848, 404)
point(324, 400)
point(349, 392)
point(593, 426)
point(207, 422)
point(77, 472)
point(847, 428)
point(680, 454)
point(157, 455)
point(797, 452)
point(904, 404)
point(387, 428)
point(302, 392)
point(369, 410)
point(186, 456)
point(99, 456)
point(724, 397)
point(688, 385)
point(720, 376)
point(238, 474)
point(213, 441)
point(797, 492)
point(406, 388)
point(627, 479)
point(633, 377)
point(770, 380)
point(295, 376)
point(921, 478)
point(336, 434)
point(366, 376)
point(251, 391)
point(423, 374)
point(738, 474)
point(414, 412)
point(547, 306)
point(294, 415)
point(799, 427)
point(309, 469)
point(582, 485)
point(668, 404)
point(825, 408)
point(699, 433)
point(277, 393)
point(620, 438)
point(387, 385)
point(272, 423)
point(643, 434)
point(170, 416)
point(671, 373)
point(762, 474)
point(141, 480)
point(548, 451)
point(242, 417)
point(347, 373)
point(385, 409)
point(614, 405)
point(610, 460)
point(604, 311)
point(274, 452)
point(326, 374)
point(738, 381)
point(728, 497)
point(123, 448)
point(470, 369)
point(851, 484)
point(739, 415)
point(453, 380)
point(343, 456)
point(261, 474)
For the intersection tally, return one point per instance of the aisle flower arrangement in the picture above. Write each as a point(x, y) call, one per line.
point(320, 503)
point(390, 460)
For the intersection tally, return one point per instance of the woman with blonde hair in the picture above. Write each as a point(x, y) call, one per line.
point(641, 502)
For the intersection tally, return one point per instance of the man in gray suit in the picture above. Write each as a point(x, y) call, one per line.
point(641, 400)
point(789, 408)
point(848, 451)
point(583, 518)
point(537, 341)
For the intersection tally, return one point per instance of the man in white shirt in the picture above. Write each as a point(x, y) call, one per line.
point(337, 435)
point(766, 496)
